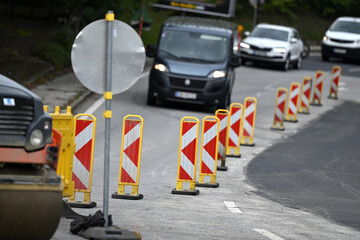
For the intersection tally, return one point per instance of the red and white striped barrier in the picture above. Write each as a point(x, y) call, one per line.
point(293, 102)
point(248, 123)
point(317, 94)
point(224, 117)
point(305, 95)
point(85, 125)
point(236, 112)
point(335, 78)
point(209, 151)
point(130, 158)
point(280, 105)
point(189, 131)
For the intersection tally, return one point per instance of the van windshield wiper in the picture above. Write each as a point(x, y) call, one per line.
point(190, 59)
point(168, 53)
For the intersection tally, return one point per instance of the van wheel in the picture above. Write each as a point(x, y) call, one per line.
point(151, 100)
point(225, 100)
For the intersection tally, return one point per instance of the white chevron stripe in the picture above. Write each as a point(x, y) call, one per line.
point(188, 137)
point(306, 86)
point(208, 161)
point(248, 128)
point(84, 136)
point(129, 167)
point(305, 100)
point(187, 165)
point(317, 93)
point(235, 117)
point(250, 109)
point(292, 107)
point(234, 136)
point(336, 74)
point(221, 149)
point(294, 92)
point(223, 123)
point(81, 172)
point(334, 86)
point(132, 136)
point(281, 98)
point(279, 113)
point(210, 134)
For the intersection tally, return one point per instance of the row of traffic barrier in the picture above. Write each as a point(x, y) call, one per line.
point(221, 136)
point(299, 97)
point(77, 153)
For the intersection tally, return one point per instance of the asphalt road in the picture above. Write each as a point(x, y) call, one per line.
point(235, 210)
point(316, 169)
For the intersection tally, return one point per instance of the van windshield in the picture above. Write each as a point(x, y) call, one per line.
point(192, 46)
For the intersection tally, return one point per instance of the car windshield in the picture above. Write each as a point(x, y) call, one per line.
point(346, 26)
point(271, 33)
point(192, 46)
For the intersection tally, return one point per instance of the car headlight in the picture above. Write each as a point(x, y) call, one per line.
point(244, 45)
point(217, 74)
point(325, 38)
point(279, 50)
point(36, 137)
point(161, 67)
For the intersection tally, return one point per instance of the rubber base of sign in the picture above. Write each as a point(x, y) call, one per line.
point(208, 185)
point(331, 97)
point(222, 168)
point(279, 129)
point(112, 232)
point(316, 104)
point(185, 192)
point(307, 113)
point(291, 121)
point(233, 155)
point(127, 196)
point(81, 204)
point(247, 144)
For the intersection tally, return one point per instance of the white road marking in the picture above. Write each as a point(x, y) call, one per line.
point(101, 100)
point(268, 234)
point(232, 207)
point(95, 106)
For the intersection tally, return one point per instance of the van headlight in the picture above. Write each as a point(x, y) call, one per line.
point(161, 67)
point(217, 74)
point(36, 138)
point(279, 50)
point(325, 38)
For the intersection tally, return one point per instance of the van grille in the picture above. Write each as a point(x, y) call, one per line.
point(180, 82)
point(259, 48)
point(16, 120)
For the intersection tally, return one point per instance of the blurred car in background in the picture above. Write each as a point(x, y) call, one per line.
point(342, 39)
point(273, 44)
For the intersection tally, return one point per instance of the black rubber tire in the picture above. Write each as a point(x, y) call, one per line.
point(286, 64)
point(306, 49)
point(151, 100)
point(298, 63)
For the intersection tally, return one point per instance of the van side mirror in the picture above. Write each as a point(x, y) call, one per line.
point(150, 50)
point(247, 33)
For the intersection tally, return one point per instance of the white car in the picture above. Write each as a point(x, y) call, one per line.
point(274, 44)
point(342, 39)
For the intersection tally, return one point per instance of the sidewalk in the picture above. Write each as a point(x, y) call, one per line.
point(66, 91)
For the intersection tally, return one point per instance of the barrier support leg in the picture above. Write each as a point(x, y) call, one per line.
point(280, 128)
point(211, 184)
point(86, 203)
point(179, 189)
point(229, 152)
point(122, 195)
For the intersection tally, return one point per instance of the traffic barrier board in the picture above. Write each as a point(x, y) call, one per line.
point(305, 95)
point(280, 105)
point(236, 113)
point(317, 93)
point(224, 117)
point(248, 123)
point(334, 86)
point(293, 102)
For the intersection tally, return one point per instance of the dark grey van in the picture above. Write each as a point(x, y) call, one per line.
point(194, 62)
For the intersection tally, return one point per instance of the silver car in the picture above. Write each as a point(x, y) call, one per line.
point(273, 44)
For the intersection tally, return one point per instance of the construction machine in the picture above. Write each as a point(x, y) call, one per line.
point(30, 189)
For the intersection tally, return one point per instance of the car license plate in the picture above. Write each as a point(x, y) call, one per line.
point(185, 95)
point(339, 50)
point(259, 53)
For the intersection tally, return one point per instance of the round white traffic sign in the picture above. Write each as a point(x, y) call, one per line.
point(88, 56)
